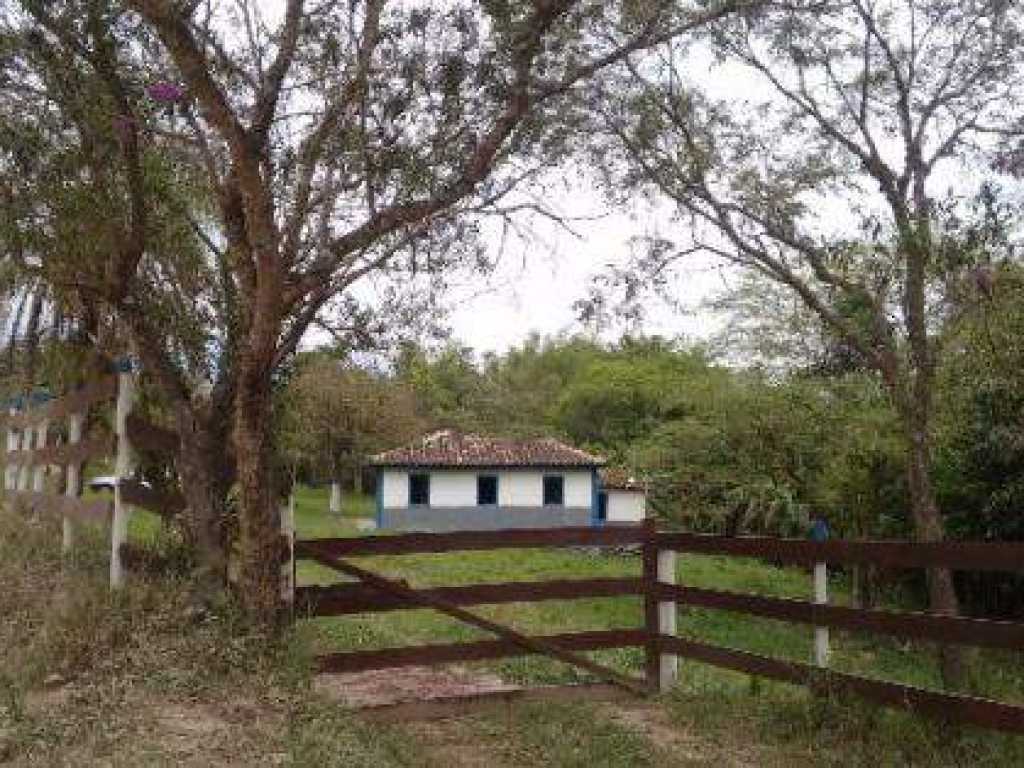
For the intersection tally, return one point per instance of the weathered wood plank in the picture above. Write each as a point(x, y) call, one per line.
point(518, 538)
point(79, 400)
point(924, 626)
point(75, 401)
point(94, 448)
point(94, 510)
point(345, 599)
point(964, 556)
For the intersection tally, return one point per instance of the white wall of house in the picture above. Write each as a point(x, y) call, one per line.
point(394, 488)
point(516, 488)
point(626, 506)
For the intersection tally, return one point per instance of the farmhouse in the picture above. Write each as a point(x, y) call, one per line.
point(453, 481)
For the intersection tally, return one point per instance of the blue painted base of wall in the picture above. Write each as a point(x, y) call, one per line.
point(444, 519)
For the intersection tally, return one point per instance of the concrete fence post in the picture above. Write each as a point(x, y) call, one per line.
point(25, 469)
point(72, 479)
point(125, 467)
point(821, 641)
point(820, 534)
point(335, 504)
point(669, 672)
point(38, 467)
point(11, 469)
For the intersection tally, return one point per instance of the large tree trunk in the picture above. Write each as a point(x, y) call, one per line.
point(206, 471)
point(916, 407)
point(929, 528)
point(259, 517)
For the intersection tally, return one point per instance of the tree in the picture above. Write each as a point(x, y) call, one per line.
point(336, 414)
point(869, 103)
point(446, 383)
point(627, 391)
point(332, 145)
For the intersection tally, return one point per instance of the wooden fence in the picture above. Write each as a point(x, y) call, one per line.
point(47, 440)
point(661, 598)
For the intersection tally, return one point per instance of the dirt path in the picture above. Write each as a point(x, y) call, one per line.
point(389, 686)
point(235, 729)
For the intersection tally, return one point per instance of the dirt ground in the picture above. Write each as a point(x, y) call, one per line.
point(389, 686)
point(246, 731)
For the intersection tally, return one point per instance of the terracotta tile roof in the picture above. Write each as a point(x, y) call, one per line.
point(449, 448)
point(619, 479)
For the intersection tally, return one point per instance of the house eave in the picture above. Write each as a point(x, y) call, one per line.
point(477, 466)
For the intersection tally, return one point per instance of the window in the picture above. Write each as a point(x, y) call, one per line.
point(487, 490)
point(554, 490)
point(419, 490)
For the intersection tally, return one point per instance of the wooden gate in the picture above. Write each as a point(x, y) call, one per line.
point(371, 593)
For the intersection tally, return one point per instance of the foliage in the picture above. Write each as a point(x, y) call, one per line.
point(333, 415)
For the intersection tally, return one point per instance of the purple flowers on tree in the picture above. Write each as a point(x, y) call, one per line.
point(165, 92)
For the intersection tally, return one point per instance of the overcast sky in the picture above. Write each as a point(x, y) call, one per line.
point(536, 283)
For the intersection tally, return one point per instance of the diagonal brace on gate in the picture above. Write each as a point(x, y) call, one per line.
point(532, 644)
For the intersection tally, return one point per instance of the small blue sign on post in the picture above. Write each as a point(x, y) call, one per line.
point(124, 365)
point(819, 530)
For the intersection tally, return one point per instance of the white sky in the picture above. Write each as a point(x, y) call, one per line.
point(536, 283)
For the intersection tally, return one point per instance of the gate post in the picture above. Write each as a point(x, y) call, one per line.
point(669, 662)
point(11, 470)
point(122, 512)
point(38, 467)
point(72, 479)
point(652, 667)
point(821, 644)
point(820, 534)
point(24, 469)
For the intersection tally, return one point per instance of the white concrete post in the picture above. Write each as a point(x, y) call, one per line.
point(72, 479)
point(25, 470)
point(125, 461)
point(10, 469)
point(335, 507)
point(821, 649)
point(669, 663)
point(39, 468)
point(288, 566)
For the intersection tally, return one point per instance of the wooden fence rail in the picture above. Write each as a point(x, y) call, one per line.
point(465, 541)
point(959, 556)
point(348, 599)
point(661, 597)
